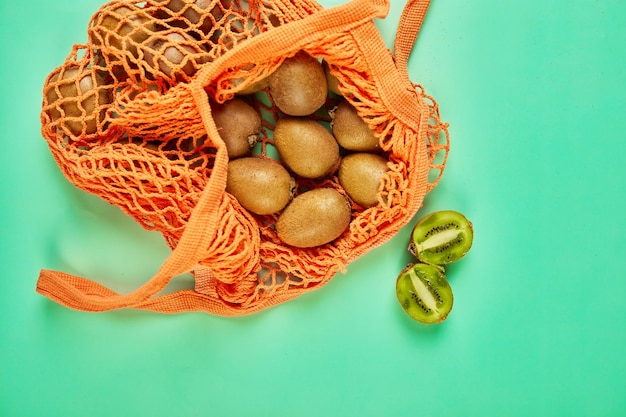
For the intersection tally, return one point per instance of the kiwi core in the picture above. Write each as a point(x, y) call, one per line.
point(428, 301)
point(439, 239)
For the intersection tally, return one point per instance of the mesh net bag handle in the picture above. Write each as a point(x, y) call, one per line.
point(208, 216)
point(406, 36)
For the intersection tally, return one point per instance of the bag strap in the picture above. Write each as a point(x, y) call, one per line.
point(406, 36)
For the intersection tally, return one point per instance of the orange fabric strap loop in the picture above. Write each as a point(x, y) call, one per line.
point(406, 36)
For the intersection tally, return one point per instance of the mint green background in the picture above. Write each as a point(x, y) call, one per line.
point(534, 92)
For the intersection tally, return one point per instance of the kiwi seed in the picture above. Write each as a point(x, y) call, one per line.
point(298, 86)
point(261, 185)
point(441, 237)
point(360, 175)
point(238, 124)
point(424, 293)
point(305, 146)
point(314, 218)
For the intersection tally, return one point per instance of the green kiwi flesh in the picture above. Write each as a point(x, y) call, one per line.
point(442, 237)
point(424, 293)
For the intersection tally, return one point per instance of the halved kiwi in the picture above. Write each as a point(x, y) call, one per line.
point(441, 237)
point(424, 293)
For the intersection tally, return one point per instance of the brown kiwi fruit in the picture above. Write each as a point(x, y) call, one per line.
point(351, 131)
point(360, 175)
point(332, 82)
point(261, 185)
point(122, 27)
point(174, 54)
point(238, 124)
point(441, 237)
point(298, 86)
point(305, 146)
point(255, 87)
point(79, 95)
point(191, 13)
point(314, 218)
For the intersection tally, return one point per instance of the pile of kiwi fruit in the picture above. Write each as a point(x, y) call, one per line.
point(151, 45)
point(438, 239)
point(326, 160)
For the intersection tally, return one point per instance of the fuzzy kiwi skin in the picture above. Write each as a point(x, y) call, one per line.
point(351, 131)
point(253, 88)
point(441, 237)
point(238, 124)
point(314, 218)
point(81, 93)
point(197, 16)
point(306, 146)
point(424, 293)
point(173, 55)
point(122, 28)
point(332, 82)
point(360, 175)
point(298, 86)
point(261, 185)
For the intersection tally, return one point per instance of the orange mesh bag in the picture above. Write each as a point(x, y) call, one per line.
point(129, 117)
